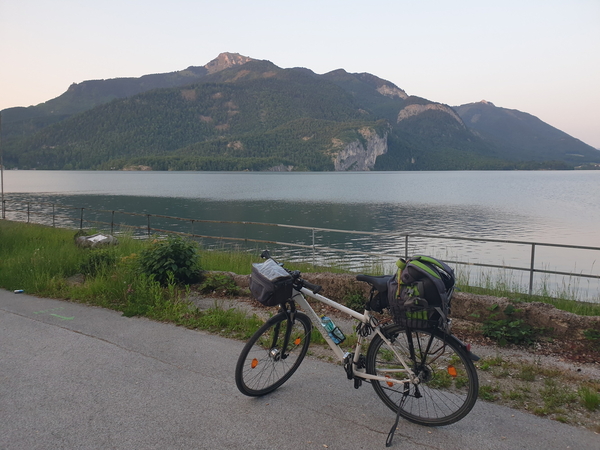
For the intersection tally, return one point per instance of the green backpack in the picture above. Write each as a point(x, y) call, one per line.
point(419, 294)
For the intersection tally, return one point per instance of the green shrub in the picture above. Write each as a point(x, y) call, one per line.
point(172, 255)
point(509, 329)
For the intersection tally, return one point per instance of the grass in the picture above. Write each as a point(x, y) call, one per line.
point(505, 285)
point(590, 398)
point(543, 391)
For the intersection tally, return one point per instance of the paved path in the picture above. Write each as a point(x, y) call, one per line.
point(80, 377)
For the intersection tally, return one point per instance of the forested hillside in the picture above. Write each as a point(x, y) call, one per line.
point(236, 113)
point(522, 136)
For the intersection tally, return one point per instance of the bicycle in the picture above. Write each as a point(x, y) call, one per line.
point(425, 375)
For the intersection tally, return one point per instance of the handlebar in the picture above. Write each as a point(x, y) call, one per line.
point(315, 288)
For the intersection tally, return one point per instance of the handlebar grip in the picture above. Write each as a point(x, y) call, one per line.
point(315, 288)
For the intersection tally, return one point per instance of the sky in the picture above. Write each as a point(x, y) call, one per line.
point(537, 56)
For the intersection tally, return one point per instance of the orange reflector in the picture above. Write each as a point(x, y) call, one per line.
point(297, 341)
point(254, 363)
point(452, 371)
point(389, 383)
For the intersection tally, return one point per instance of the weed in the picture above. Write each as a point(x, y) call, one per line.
point(489, 393)
point(355, 300)
point(316, 337)
point(219, 284)
point(590, 398)
point(229, 322)
point(555, 395)
point(516, 395)
point(527, 373)
point(509, 329)
point(489, 362)
point(97, 260)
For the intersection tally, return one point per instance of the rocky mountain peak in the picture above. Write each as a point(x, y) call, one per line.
point(225, 61)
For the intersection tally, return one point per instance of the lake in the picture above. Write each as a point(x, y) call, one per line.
point(559, 207)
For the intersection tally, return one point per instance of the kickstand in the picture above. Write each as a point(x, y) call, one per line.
point(388, 441)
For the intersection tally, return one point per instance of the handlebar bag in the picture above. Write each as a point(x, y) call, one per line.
point(270, 283)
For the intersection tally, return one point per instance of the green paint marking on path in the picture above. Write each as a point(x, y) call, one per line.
point(62, 317)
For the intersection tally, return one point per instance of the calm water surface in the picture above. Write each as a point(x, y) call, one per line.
point(542, 206)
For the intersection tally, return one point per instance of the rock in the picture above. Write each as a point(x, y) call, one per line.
point(76, 280)
point(95, 240)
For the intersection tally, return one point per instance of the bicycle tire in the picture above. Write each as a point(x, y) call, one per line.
point(264, 365)
point(448, 386)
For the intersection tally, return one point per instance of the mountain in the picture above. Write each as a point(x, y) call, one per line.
point(522, 136)
point(237, 113)
point(83, 96)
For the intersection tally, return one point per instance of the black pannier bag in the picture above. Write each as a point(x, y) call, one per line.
point(270, 283)
point(419, 294)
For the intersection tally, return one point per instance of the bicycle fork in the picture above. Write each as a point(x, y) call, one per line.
point(280, 352)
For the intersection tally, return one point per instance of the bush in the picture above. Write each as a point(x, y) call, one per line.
point(172, 255)
point(510, 329)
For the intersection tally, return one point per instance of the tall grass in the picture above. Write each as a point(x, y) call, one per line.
point(41, 259)
point(506, 284)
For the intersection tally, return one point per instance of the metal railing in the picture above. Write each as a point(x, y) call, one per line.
point(50, 215)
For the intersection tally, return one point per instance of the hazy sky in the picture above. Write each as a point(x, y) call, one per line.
point(537, 56)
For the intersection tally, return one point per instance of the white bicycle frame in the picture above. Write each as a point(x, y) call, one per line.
point(365, 318)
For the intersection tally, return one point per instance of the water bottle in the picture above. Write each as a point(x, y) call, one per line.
point(334, 332)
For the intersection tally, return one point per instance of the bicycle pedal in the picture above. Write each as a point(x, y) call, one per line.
point(357, 383)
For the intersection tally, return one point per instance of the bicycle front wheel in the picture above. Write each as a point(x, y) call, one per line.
point(448, 385)
point(273, 354)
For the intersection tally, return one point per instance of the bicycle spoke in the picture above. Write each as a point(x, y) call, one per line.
point(273, 354)
point(447, 387)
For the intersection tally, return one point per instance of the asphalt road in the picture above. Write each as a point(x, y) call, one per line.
point(81, 377)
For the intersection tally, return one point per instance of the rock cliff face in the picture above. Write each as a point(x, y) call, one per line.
point(413, 110)
point(360, 155)
point(225, 61)
point(392, 91)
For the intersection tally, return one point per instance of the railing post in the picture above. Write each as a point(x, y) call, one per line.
point(531, 269)
point(81, 220)
point(28, 212)
point(406, 247)
point(112, 223)
point(53, 216)
point(192, 227)
point(148, 215)
point(3, 209)
point(314, 249)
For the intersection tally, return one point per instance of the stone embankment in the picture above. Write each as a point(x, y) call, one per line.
point(560, 328)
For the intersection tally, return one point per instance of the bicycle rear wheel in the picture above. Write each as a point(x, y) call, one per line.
point(448, 383)
point(273, 354)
